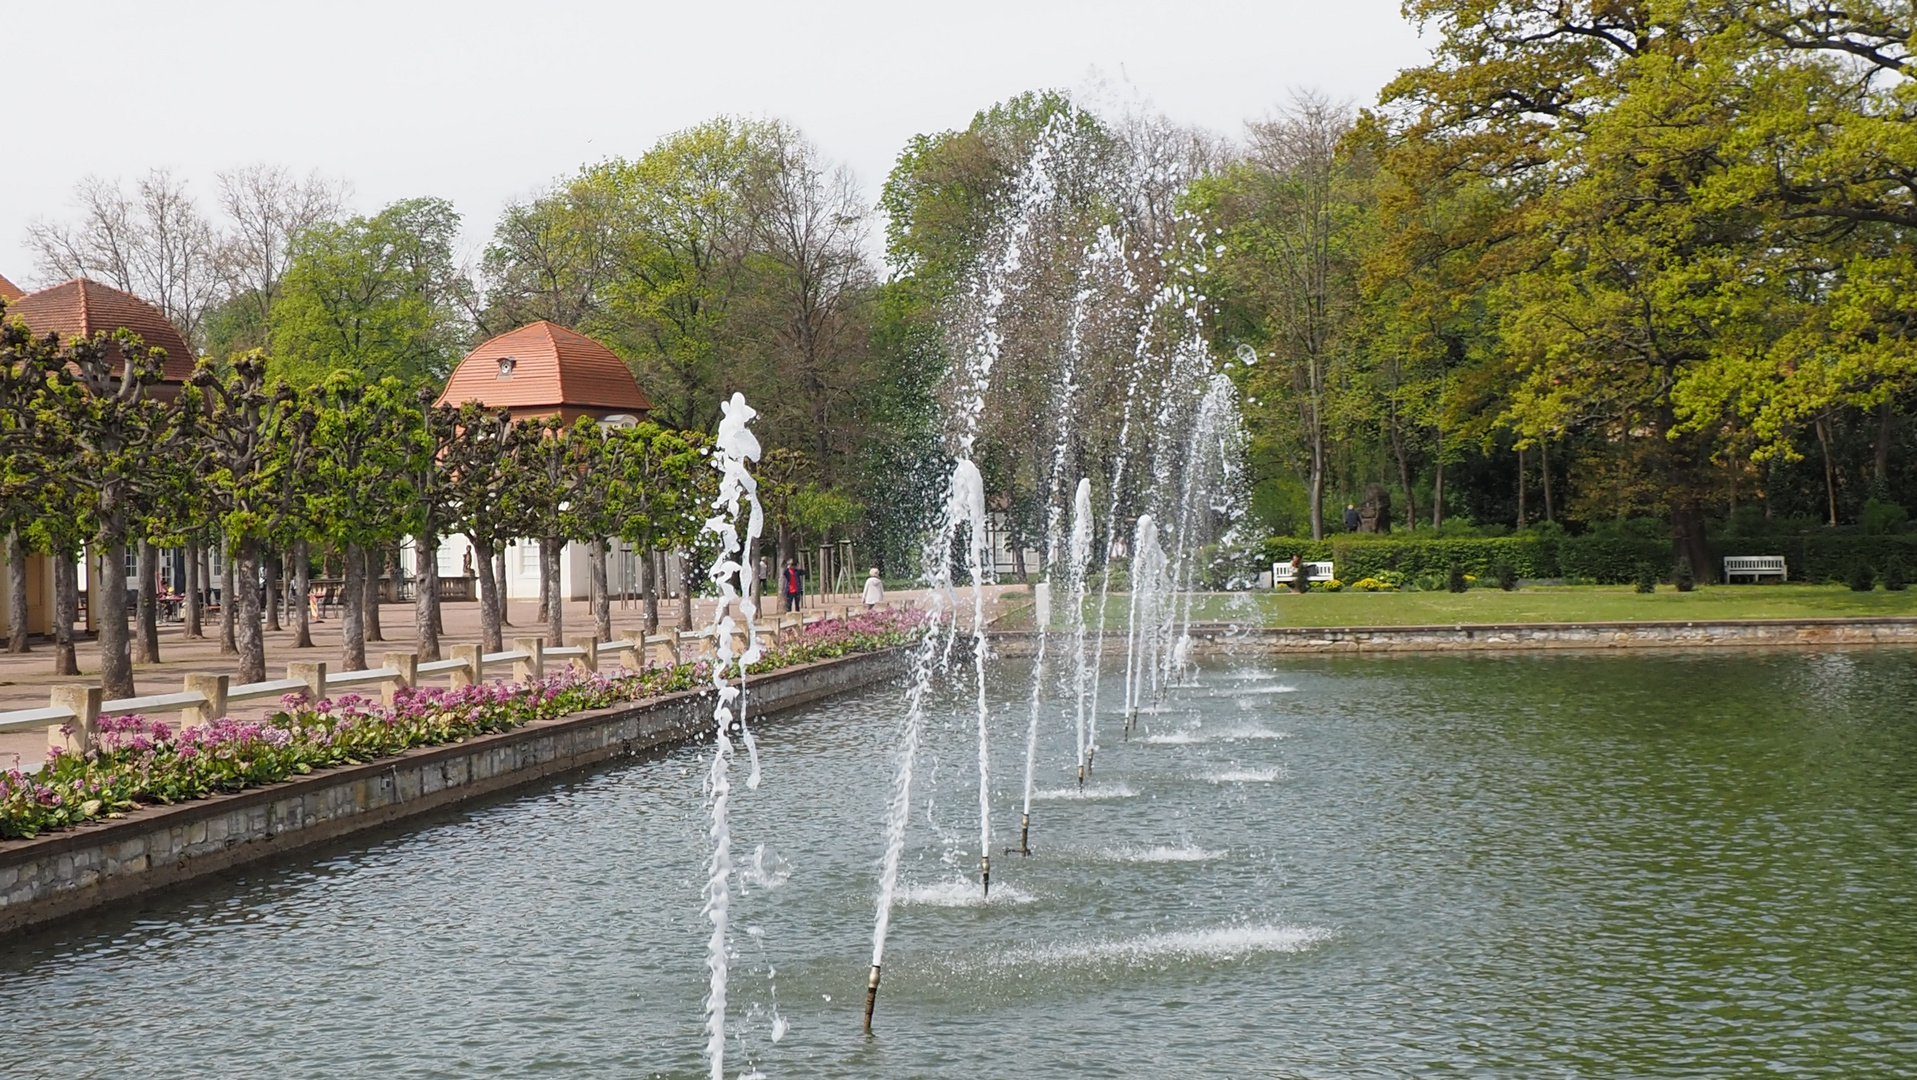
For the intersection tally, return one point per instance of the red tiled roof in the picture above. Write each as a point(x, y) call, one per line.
point(83, 307)
point(552, 366)
point(9, 291)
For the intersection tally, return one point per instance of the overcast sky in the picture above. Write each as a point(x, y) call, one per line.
point(484, 102)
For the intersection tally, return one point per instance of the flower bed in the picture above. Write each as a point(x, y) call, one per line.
point(140, 760)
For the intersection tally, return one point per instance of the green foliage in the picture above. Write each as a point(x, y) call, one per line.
point(376, 295)
point(1882, 518)
point(1862, 577)
point(1646, 578)
point(1454, 578)
point(1682, 576)
point(1895, 575)
point(1504, 574)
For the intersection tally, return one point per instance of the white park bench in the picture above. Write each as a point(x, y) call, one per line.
point(1755, 567)
point(1314, 571)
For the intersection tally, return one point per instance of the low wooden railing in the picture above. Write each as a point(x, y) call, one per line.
point(73, 711)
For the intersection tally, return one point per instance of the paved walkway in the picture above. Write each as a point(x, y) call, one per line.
point(26, 680)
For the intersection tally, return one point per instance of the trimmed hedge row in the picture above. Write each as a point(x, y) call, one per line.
point(1606, 560)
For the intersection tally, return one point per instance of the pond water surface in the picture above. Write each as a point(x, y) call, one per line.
point(1670, 865)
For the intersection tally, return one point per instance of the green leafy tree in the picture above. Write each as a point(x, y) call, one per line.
point(379, 295)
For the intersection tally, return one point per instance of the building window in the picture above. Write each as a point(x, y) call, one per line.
point(529, 557)
point(506, 365)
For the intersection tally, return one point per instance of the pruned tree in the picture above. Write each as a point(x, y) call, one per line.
point(358, 493)
point(486, 500)
point(254, 441)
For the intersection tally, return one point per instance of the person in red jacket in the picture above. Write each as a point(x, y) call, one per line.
point(792, 583)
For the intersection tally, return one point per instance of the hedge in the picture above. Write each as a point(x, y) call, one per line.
point(1607, 560)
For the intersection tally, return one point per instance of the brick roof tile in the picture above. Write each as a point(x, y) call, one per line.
point(9, 291)
point(83, 307)
point(552, 367)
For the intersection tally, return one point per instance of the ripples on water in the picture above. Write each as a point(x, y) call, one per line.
point(1516, 867)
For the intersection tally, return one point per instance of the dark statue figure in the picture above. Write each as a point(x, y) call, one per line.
point(1374, 514)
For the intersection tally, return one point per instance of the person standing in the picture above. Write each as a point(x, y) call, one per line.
point(1298, 580)
point(874, 590)
point(792, 582)
point(1351, 518)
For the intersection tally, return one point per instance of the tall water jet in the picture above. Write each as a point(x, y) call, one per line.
point(734, 447)
point(1080, 557)
point(1147, 560)
point(968, 506)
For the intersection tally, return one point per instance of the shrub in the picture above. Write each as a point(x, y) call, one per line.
point(1454, 578)
point(1862, 577)
point(1505, 575)
point(1894, 575)
point(1646, 578)
point(1373, 585)
point(1683, 577)
point(1882, 517)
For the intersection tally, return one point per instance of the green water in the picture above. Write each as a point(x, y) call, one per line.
point(1591, 866)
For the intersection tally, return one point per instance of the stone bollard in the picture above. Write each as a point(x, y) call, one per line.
point(313, 674)
point(474, 673)
point(587, 644)
point(84, 702)
point(211, 687)
point(407, 664)
point(666, 648)
point(533, 668)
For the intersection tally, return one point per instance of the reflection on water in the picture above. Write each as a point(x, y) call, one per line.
point(1548, 866)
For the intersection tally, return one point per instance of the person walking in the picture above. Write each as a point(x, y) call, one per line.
point(1351, 518)
point(874, 590)
point(1298, 582)
point(792, 583)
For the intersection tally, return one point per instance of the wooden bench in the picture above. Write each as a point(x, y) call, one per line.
point(1314, 571)
point(1755, 567)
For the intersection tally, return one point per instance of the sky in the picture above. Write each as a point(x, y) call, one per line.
point(485, 103)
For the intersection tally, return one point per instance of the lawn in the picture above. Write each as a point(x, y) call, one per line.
point(1554, 603)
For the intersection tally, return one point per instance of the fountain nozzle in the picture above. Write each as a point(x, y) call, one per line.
point(1081, 776)
point(1024, 837)
point(871, 997)
point(985, 874)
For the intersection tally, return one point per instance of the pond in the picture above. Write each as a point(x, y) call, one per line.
point(1670, 865)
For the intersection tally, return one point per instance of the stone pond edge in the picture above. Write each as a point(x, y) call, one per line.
point(73, 870)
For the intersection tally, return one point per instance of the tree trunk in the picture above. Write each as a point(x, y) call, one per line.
point(549, 550)
point(302, 593)
point(1830, 467)
point(1544, 458)
point(1880, 459)
point(16, 592)
point(275, 587)
point(1404, 477)
point(352, 608)
point(249, 635)
point(146, 610)
point(227, 600)
point(425, 592)
point(505, 594)
point(1437, 494)
point(601, 596)
point(371, 593)
point(66, 611)
point(1317, 487)
point(116, 663)
point(192, 611)
point(545, 592)
point(651, 570)
point(1520, 487)
point(685, 591)
point(490, 637)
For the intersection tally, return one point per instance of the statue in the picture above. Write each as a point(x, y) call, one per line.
point(1374, 516)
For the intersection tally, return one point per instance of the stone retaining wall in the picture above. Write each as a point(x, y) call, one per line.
point(71, 870)
point(1479, 637)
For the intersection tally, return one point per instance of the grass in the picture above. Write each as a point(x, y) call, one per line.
point(1554, 603)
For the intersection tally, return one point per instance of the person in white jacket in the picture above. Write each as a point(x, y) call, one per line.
point(874, 590)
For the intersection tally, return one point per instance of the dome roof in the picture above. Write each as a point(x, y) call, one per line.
point(544, 366)
point(83, 307)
